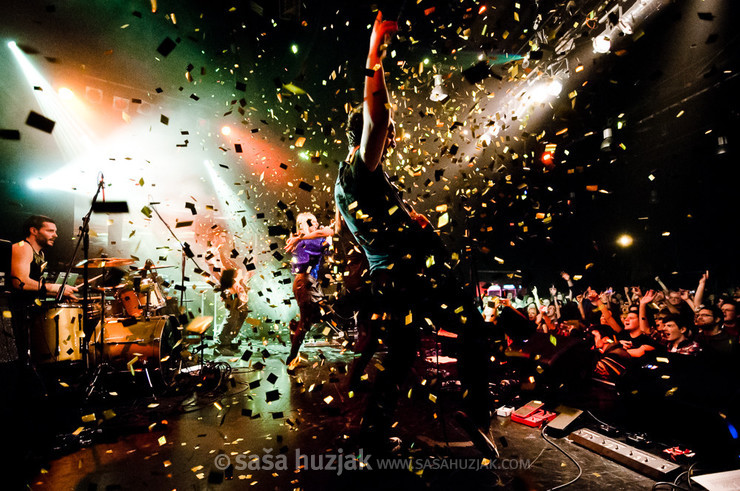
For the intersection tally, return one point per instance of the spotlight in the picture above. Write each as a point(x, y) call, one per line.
point(294, 49)
point(602, 44)
point(438, 92)
point(93, 95)
point(226, 130)
point(625, 240)
point(66, 94)
point(554, 88)
point(548, 156)
point(35, 184)
point(544, 91)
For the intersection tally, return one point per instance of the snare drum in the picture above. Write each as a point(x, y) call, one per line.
point(56, 334)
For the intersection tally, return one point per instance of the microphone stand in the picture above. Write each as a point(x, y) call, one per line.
point(83, 235)
point(185, 255)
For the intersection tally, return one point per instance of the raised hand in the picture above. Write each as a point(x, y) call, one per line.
point(383, 30)
point(648, 297)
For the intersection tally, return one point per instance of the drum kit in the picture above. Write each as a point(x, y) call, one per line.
point(136, 327)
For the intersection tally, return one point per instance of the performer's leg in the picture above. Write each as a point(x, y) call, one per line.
point(303, 298)
point(389, 301)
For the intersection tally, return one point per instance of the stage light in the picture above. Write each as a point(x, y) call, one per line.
point(544, 91)
point(66, 94)
point(546, 158)
point(36, 183)
point(294, 49)
point(93, 95)
point(226, 130)
point(554, 88)
point(438, 92)
point(12, 45)
point(602, 44)
point(625, 240)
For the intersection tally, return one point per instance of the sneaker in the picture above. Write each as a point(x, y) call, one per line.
point(480, 439)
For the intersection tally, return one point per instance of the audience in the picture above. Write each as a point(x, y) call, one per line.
point(632, 330)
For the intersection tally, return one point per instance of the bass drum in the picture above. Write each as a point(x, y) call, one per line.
point(56, 334)
point(155, 343)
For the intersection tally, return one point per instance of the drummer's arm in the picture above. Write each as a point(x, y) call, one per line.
point(20, 268)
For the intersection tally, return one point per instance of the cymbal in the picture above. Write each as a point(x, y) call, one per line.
point(134, 269)
point(106, 262)
point(108, 288)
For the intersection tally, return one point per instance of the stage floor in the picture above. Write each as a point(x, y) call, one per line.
point(184, 443)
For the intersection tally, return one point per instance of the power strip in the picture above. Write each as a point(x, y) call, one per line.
point(635, 459)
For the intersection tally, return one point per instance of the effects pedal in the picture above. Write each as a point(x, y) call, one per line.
point(535, 419)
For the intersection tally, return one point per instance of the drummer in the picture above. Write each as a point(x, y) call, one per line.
point(28, 262)
point(26, 269)
point(24, 394)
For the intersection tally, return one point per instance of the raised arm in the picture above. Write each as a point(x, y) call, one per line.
point(699, 296)
point(593, 297)
point(292, 242)
point(537, 302)
point(376, 105)
point(568, 280)
point(644, 301)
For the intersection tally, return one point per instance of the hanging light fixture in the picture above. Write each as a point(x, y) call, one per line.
point(438, 92)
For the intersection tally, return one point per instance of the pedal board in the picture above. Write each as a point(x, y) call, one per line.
point(637, 460)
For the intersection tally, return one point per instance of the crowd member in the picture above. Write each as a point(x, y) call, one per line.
point(632, 338)
point(407, 264)
point(729, 318)
point(711, 337)
point(308, 248)
point(677, 336)
point(612, 360)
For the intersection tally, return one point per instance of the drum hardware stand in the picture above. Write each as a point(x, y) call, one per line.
point(149, 380)
point(83, 236)
point(96, 378)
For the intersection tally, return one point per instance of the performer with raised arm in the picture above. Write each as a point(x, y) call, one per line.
point(410, 271)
